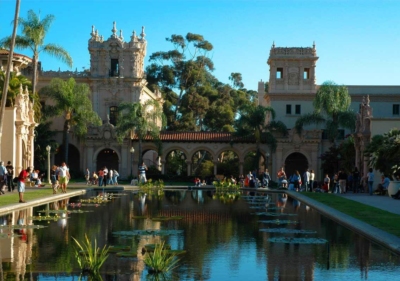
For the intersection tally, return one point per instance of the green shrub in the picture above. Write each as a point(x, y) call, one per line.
point(160, 260)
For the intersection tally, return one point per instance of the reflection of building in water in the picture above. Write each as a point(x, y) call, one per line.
point(17, 248)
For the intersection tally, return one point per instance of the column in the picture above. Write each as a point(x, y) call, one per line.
point(241, 168)
point(30, 145)
point(189, 167)
point(163, 167)
point(215, 167)
point(18, 149)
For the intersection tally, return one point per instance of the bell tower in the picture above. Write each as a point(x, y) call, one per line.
point(292, 70)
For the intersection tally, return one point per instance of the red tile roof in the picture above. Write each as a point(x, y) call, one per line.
point(200, 137)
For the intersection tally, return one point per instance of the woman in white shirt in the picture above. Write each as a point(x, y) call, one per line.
point(312, 178)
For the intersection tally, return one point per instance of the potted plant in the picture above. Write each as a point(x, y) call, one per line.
point(384, 153)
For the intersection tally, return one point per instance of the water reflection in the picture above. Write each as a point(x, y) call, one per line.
point(222, 238)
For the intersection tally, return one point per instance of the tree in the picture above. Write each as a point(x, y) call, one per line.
point(181, 72)
point(252, 121)
point(72, 101)
point(8, 70)
point(15, 82)
point(384, 153)
point(34, 32)
point(331, 107)
point(141, 120)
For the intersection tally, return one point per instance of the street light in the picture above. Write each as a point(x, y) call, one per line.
point(48, 148)
point(132, 150)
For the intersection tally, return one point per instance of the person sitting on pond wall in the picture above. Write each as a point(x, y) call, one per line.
point(383, 186)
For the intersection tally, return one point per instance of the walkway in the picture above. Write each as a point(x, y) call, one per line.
point(383, 202)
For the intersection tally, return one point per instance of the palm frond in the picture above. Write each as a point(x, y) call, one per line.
point(308, 119)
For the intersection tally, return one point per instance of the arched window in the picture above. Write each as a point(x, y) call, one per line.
point(113, 114)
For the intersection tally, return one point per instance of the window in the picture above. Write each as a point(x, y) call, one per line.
point(396, 109)
point(279, 73)
point(113, 114)
point(288, 109)
point(298, 109)
point(306, 73)
point(114, 71)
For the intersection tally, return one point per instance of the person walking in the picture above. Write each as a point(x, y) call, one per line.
point(142, 173)
point(100, 173)
point(115, 177)
point(63, 177)
point(53, 178)
point(23, 175)
point(10, 176)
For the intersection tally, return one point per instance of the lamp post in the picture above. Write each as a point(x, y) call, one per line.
point(132, 150)
point(48, 148)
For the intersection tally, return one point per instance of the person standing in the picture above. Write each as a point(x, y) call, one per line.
point(110, 177)
point(63, 177)
point(306, 177)
point(101, 176)
point(142, 173)
point(115, 177)
point(312, 180)
point(266, 178)
point(105, 176)
point(87, 176)
point(282, 177)
point(10, 176)
point(21, 183)
point(53, 178)
point(342, 181)
point(3, 177)
point(356, 180)
point(370, 179)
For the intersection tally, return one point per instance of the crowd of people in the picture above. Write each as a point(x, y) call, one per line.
point(103, 177)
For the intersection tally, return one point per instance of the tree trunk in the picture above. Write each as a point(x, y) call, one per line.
point(34, 74)
point(8, 71)
point(66, 139)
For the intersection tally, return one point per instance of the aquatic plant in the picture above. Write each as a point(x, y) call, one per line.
point(94, 257)
point(290, 240)
point(226, 185)
point(277, 221)
point(151, 188)
point(160, 260)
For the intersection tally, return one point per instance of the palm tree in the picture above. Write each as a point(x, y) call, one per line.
point(252, 121)
point(34, 32)
point(71, 100)
point(15, 81)
point(8, 70)
point(331, 106)
point(140, 120)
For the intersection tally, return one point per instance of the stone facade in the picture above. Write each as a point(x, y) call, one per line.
point(292, 89)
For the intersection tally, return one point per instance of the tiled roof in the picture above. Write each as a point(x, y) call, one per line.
point(199, 137)
point(5, 52)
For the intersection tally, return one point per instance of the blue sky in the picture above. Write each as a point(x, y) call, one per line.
point(358, 42)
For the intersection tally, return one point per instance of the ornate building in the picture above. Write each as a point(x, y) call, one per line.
point(116, 75)
point(292, 89)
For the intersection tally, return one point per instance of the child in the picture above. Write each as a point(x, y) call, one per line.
point(56, 185)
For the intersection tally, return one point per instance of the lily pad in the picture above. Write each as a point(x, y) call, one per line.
point(116, 249)
point(126, 254)
point(277, 221)
point(30, 226)
point(153, 232)
point(287, 230)
point(9, 235)
point(289, 240)
point(273, 214)
point(167, 218)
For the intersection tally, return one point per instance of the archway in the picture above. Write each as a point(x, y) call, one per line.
point(107, 158)
point(228, 164)
point(152, 161)
point(202, 164)
point(296, 161)
point(254, 162)
point(175, 165)
point(73, 158)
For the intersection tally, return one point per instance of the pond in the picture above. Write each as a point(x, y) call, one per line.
point(253, 236)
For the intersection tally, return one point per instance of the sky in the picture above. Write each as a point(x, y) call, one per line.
point(357, 42)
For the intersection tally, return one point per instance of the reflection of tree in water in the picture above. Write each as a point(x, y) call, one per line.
point(175, 197)
point(363, 247)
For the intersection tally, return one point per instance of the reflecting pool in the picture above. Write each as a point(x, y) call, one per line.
point(253, 236)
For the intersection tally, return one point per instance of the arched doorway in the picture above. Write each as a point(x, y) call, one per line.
point(176, 164)
point(228, 164)
point(295, 161)
point(107, 158)
point(73, 158)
